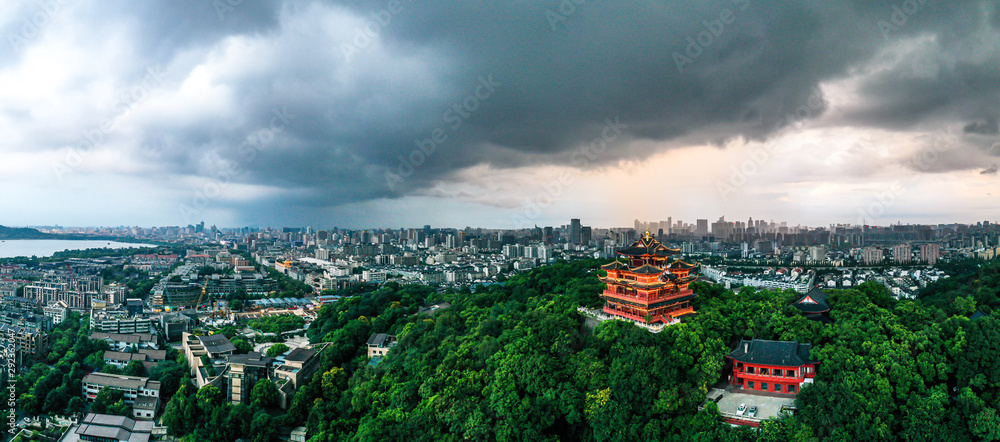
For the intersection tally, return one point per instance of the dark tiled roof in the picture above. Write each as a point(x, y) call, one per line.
point(377, 339)
point(252, 359)
point(780, 353)
point(647, 245)
point(813, 302)
point(120, 428)
point(678, 264)
point(977, 315)
point(647, 269)
point(617, 265)
point(300, 354)
point(217, 343)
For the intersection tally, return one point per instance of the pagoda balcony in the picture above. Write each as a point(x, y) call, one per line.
point(771, 377)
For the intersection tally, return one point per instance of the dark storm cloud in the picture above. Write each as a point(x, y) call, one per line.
point(613, 59)
point(670, 71)
point(988, 127)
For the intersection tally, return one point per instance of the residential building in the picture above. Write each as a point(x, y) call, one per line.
point(120, 341)
point(120, 321)
point(380, 343)
point(902, 253)
point(57, 311)
point(148, 357)
point(134, 388)
point(29, 340)
point(930, 253)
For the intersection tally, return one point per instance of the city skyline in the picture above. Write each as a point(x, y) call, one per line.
point(399, 113)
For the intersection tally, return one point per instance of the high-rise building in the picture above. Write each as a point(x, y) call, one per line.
point(930, 253)
point(902, 253)
point(702, 228)
point(585, 235)
point(574, 231)
point(817, 253)
point(871, 255)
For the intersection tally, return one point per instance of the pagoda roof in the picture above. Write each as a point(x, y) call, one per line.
point(648, 246)
point(646, 269)
point(813, 302)
point(778, 353)
point(617, 265)
point(678, 264)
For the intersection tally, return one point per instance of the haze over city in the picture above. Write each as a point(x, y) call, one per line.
point(401, 113)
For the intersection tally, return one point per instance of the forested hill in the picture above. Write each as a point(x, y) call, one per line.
point(22, 233)
point(975, 281)
point(515, 362)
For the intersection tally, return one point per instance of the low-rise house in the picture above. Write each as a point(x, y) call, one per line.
point(380, 343)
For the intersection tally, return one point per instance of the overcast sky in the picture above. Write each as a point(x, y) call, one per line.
point(461, 113)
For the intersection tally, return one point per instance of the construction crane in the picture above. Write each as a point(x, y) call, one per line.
point(74, 285)
point(204, 288)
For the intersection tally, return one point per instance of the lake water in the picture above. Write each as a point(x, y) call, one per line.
point(46, 247)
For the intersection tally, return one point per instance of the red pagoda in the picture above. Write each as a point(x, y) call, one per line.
point(648, 287)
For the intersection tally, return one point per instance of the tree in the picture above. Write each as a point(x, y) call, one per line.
point(105, 400)
point(209, 366)
point(76, 405)
point(242, 347)
point(169, 374)
point(135, 368)
point(277, 349)
point(264, 394)
point(261, 429)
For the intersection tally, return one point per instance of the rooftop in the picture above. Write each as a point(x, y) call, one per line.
point(120, 381)
point(217, 343)
point(779, 353)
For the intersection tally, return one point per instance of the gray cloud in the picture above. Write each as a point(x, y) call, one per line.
point(358, 118)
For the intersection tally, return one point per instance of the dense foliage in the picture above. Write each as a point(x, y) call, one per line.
point(277, 324)
point(972, 280)
point(516, 361)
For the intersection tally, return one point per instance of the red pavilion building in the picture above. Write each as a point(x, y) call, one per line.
point(648, 286)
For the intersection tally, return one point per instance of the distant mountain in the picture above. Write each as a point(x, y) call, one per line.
point(22, 233)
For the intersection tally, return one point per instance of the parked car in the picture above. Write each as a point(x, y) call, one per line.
point(753, 411)
point(741, 409)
